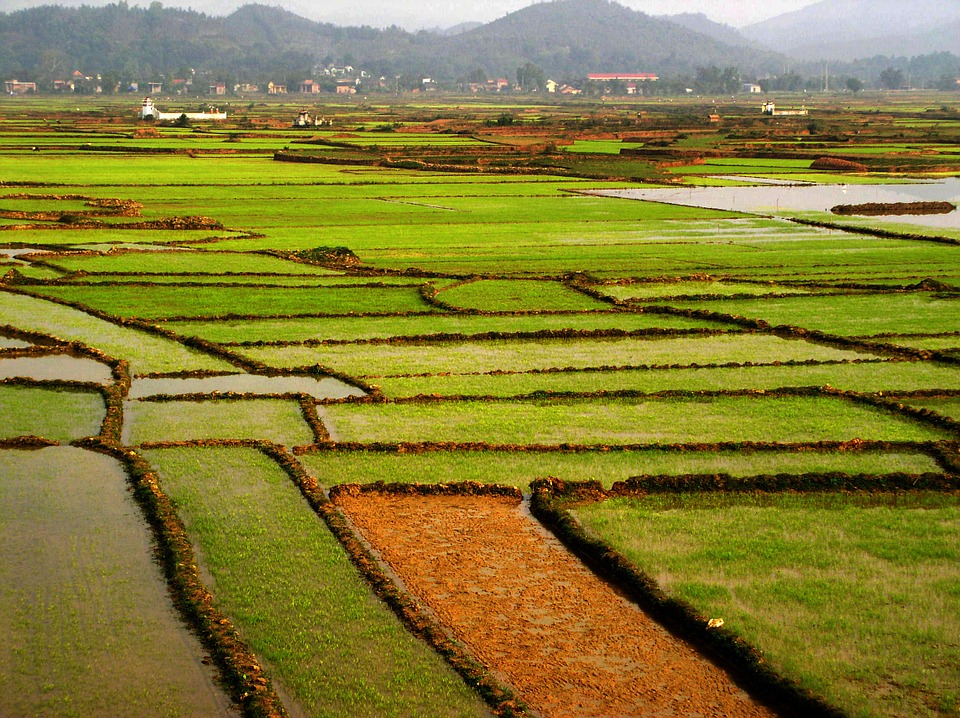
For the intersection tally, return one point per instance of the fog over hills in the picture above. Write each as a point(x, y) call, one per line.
point(850, 29)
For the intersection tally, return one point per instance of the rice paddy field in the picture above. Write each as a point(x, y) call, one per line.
point(240, 365)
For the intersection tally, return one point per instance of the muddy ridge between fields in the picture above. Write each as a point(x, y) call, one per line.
point(536, 616)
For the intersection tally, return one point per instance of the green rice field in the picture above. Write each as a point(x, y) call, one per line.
point(495, 323)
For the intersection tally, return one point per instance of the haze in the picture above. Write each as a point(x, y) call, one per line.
point(417, 14)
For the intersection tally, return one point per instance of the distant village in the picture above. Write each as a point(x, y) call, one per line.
point(347, 80)
point(341, 80)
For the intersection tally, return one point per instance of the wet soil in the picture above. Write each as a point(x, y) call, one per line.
point(534, 615)
point(881, 209)
point(87, 627)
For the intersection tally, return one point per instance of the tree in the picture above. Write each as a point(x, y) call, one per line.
point(891, 79)
point(530, 77)
point(854, 85)
point(948, 82)
point(714, 81)
point(479, 76)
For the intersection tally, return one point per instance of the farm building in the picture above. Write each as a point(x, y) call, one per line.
point(149, 111)
point(769, 108)
point(15, 87)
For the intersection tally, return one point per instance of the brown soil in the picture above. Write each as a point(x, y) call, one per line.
point(534, 615)
point(878, 209)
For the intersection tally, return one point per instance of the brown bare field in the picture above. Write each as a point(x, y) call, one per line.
point(534, 615)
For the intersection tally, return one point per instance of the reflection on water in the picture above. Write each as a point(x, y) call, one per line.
point(12, 253)
point(11, 343)
point(809, 198)
point(56, 366)
point(326, 388)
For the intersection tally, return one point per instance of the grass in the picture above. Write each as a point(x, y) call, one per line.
point(870, 378)
point(58, 415)
point(86, 623)
point(379, 360)
point(624, 421)
point(653, 290)
point(276, 420)
point(293, 594)
point(146, 353)
point(169, 301)
point(521, 468)
point(854, 315)
point(522, 296)
point(947, 407)
point(193, 262)
point(875, 578)
point(359, 328)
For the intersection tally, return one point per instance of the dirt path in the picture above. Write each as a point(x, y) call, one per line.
point(535, 615)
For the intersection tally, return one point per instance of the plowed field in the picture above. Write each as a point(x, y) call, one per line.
point(534, 615)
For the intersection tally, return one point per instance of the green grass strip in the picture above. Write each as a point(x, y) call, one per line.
point(166, 301)
point(860, 377)
point(874, 578)
point(625, 421)
point(517, 468)
point(56, 414)
point(146, 353)
point(287, 584)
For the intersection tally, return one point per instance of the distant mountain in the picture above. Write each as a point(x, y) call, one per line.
point(457, 29)
point(850, 29)
point(698, 22)
point(574, 37)
point(565, 39)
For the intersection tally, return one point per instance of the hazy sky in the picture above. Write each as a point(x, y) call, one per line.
point(414, 14)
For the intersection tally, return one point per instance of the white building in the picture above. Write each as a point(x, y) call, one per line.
point(149, 111)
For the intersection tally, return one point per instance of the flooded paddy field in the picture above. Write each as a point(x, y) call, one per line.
point(87, 624)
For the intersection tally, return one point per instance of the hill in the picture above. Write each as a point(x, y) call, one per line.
point(565, 38)
point(698, 22)
point(574, 37)
point(850, 29)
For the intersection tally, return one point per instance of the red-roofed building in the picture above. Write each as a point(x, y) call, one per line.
point(625, 76)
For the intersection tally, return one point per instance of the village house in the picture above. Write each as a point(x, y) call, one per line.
point(275, 89)
point(751, 88)
point(149, 111)
point(16, 87)
point(498, 85)
point(346, 87)
point(769, 108)
point(309, 87)
point(155, 88)
point(623, 76)
point(217, 88)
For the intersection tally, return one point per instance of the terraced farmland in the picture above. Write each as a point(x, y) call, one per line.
point(333, 389)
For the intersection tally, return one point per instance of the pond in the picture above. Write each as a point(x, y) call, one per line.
point(773, 199)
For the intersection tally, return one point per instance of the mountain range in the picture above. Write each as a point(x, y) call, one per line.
point(851, 29)
point(565, 39)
